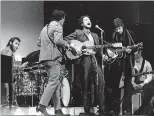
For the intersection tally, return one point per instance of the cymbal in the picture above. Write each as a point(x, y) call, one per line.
point(37, 67)
point(38, 63)
point(27, 69)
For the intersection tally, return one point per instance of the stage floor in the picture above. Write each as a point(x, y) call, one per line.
point(73, 111)
point(68, 111)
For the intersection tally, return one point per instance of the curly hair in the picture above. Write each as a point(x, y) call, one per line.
point(81, 19)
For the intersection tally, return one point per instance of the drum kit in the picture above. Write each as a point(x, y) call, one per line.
point(31, 82)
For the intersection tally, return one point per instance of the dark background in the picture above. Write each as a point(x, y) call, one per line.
point(137, 16)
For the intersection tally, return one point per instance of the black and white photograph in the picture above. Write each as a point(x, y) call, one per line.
point(77, 58)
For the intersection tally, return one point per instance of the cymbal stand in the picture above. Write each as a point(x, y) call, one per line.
point(39, 78)
point(32, 91)
point(31, 81)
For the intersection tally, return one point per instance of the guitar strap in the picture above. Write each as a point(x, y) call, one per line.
point(130, 37)
point(49, 36)
point(142, 66)
point(53, 42)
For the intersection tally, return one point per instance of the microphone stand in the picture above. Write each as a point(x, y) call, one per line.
point(102, 39)
point(102, 52)
point(102, 63)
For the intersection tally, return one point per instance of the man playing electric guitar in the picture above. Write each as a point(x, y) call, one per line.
point(138, 81)
point(120, 70)
point(88, 66)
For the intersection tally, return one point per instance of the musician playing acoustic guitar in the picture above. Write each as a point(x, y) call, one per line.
point(89, 65)
point(141, 78)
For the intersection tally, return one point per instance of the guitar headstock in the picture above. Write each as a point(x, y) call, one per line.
point(140, 45)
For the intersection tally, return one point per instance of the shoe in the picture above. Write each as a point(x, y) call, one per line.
point(112, 113)
point(59, 113)
point(43, 110)
point(126, 113)
point(137, 112)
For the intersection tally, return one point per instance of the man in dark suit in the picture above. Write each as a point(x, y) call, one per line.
point(89, 66)
point(121, 69)
point(50, 43)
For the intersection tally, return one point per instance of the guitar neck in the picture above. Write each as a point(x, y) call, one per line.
point(99, 46)
point(124, 49)
point(144, 73)
point(95, 46)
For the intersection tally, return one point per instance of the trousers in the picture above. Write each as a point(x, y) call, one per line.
point(52, 89)
point(148, 94)
point(90, 72)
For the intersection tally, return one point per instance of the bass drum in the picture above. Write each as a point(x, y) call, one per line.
point(65, 92)
point(64, 87)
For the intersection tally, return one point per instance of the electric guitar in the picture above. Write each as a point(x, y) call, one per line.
point(78, 48)
point(114, 53)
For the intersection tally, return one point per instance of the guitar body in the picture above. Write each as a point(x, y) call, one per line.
point(113, 55)
point(77, 48)
point(137, 77)
point(72, 56)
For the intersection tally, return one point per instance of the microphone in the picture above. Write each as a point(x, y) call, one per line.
point(96, 26)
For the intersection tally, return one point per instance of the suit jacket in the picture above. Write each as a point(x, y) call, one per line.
point(48, 49)
point(81, 36)
point(127, 38)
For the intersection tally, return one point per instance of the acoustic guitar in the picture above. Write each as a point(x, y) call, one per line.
point(78, 48)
